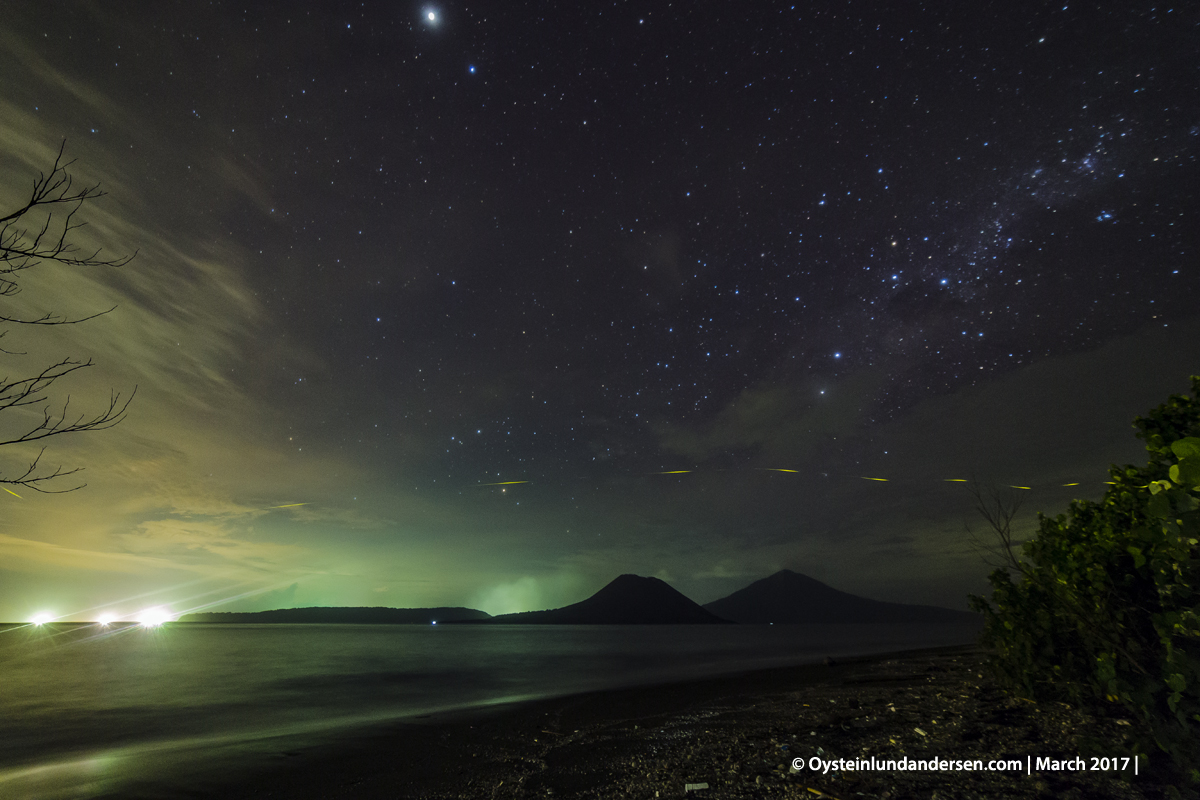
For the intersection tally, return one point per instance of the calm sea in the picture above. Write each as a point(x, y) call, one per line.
point(161, 712)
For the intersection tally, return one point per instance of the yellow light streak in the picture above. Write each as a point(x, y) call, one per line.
point(760, 469)
point(292, 505)
point(14, 494)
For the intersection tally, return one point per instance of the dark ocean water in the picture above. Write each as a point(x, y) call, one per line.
point(161, 712)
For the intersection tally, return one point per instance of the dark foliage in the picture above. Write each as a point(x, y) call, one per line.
point(1101, 607)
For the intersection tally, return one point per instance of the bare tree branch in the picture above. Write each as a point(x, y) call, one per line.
point(35, 233)
point(998, 508)
point(53, 425)
point(22, 247)
point(32, 481)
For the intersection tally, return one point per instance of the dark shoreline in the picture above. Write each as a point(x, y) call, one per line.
point(737, 733)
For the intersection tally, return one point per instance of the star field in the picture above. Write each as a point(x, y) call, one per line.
point(575, 246)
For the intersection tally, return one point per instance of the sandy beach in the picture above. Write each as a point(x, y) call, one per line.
point(738, 737)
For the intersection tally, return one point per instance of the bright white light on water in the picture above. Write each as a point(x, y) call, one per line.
point(41, 619)
point(104, 620)
point(153, 617)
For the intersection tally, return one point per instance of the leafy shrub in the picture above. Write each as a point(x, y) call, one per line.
point(1105, 607)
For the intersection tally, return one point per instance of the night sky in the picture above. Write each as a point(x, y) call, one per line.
point(392, 256)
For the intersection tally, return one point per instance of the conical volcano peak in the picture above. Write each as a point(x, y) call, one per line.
point(626, 600)
point(790, 597)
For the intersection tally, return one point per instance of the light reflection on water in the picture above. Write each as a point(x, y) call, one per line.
point(88, 711)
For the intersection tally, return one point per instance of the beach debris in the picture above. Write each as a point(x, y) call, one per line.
point(694, 787)
point(819, 793)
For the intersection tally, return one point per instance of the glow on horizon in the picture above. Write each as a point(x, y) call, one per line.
point(42, 619)
point(154, 617)
point(104, 620)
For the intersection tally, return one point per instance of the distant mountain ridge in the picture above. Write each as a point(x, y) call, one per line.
point(370, 615)
point(786, 597)
point(627, 600)
point(791, 598)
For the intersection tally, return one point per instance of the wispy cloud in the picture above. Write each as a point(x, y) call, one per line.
point(21, 554)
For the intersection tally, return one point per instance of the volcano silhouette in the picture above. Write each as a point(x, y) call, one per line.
point(788, 597)
point(627, 600)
